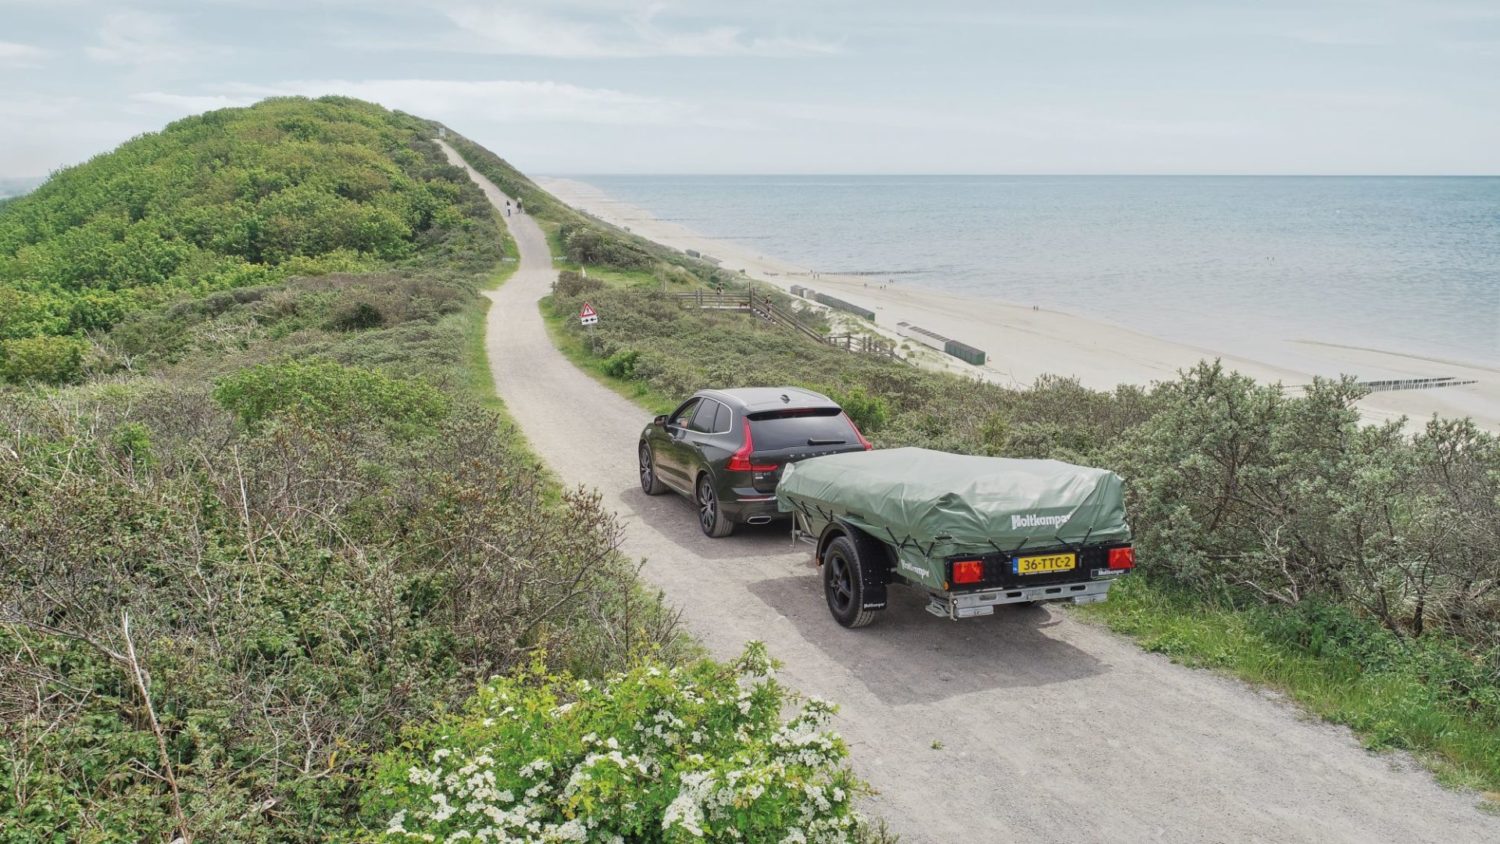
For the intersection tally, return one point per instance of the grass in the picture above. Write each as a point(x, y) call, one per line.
point(1388, 709)
point(573, 348)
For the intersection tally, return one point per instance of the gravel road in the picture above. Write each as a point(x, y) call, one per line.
point(1050, 730)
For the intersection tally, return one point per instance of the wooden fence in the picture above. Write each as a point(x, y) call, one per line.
point(762, 306)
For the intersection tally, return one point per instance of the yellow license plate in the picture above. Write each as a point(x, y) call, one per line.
point(1046, 563)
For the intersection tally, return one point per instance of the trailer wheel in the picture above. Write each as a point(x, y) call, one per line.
point(843, 584)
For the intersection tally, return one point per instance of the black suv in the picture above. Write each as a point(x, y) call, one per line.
point(725, 449)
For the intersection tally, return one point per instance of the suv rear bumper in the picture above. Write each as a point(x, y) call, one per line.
point(750, 506)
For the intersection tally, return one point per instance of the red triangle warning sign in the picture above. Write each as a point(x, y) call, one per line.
point(588, 311)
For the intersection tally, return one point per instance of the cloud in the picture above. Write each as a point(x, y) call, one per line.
point(192, 103)
point(507, 101)
point(21, 55)
point(142, 38)
point(19, 108)
point(636, 31)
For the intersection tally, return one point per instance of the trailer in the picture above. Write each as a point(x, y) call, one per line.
point(970, 533)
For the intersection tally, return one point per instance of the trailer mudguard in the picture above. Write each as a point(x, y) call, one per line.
point(874, 560)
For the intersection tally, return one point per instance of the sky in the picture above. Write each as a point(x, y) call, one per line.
point(795, 86)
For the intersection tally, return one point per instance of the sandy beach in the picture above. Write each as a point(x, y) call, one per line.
point(1024, 343)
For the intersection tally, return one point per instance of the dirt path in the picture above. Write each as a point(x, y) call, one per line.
point(1050, 730)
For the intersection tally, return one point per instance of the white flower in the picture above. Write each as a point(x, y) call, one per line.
point(398, 823)
point(573, 830)
point(443, 810)
point(684, 811)
point(535, 767)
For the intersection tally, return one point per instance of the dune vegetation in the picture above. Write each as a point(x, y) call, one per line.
point(263, 523)
point(228, 199)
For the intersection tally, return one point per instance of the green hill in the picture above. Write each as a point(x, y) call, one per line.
point(270, 525)
point(227, 199)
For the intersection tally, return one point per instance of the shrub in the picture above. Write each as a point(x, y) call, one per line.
point(870, 413)
point(297, 594)
point(655, 754)
point(570, 283)
point(584, 244)
point(621, 364)
point(356, 316)
point(323, 391)
point(132, 440)
point(49, 360)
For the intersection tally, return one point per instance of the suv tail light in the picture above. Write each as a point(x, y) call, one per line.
point(1122, 558)
point(968, 571)
point(740, 460)
point(862, 441)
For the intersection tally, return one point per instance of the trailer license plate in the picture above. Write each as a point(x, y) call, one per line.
point(1046, 563)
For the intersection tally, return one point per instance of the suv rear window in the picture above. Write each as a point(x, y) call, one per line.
point(777, 429)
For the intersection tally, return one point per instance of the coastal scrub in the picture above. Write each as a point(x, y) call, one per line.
point(657, 753)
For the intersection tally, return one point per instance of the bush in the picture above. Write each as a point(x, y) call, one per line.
point(870, 413)
point(622, 364)
point(298, 591)
point(655, 754)
point(49, 360)
point(1235, 485)
point(356, 316)
point(326, 392)
point(570, 283)
point(584, 244)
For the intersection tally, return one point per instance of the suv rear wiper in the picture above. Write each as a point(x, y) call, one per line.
point(827, 442)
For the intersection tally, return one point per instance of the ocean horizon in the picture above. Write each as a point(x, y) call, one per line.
point(1246, 265)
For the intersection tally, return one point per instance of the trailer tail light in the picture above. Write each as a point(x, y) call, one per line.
point(740, 460)
point(862, 441)
point(968, 571)
point(1122, 558)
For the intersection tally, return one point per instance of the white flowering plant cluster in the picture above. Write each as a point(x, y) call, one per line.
point(657, 754)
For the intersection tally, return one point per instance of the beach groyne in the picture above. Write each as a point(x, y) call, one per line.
point(1389, 384)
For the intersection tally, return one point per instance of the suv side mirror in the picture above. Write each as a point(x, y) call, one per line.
point(660, 421)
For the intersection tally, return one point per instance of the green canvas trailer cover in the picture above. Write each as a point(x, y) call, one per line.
point(941, 504)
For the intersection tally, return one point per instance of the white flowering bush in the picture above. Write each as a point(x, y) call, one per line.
point(658, 754)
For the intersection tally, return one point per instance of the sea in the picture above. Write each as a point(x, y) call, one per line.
point(1249, 265)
